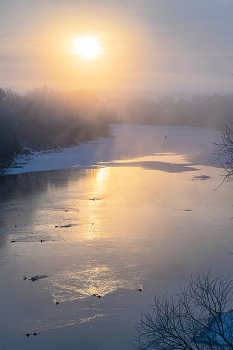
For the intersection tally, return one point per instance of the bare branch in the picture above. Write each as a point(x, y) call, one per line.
point(198, 317)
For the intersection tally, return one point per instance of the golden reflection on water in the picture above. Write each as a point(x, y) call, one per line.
point(115, 201)
point(95, 281)
point(127, 205)
point(110, 196)
point(101, 174)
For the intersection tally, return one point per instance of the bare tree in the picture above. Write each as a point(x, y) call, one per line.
point(199, 317)
point(225, 153)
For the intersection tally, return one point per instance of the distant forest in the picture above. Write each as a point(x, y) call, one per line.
point(45, 119)
point(213, 112)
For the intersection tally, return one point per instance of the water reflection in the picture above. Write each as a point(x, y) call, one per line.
point(100, 176)
point(106, 232)
point(28, 184)
point(88, 281)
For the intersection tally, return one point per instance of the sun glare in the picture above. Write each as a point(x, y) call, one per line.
point(87, 47)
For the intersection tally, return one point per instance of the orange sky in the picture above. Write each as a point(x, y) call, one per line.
point(147, 45)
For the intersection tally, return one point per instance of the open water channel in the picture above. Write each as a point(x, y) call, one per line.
point(137, 210)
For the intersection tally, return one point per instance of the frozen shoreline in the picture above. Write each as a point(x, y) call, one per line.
point(125, 143)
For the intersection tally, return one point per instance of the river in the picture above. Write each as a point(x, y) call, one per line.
point(136, 210)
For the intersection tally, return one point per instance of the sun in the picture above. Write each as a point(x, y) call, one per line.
point(88, 47)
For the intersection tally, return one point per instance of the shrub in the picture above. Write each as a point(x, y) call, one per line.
point(199, 317)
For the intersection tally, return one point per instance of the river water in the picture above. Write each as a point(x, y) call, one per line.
point(118, 214)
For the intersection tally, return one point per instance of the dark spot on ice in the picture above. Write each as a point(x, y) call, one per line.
point(201, 177)
point(36, 278)
point(96, 295)
point(28, 334)
point(66, 226)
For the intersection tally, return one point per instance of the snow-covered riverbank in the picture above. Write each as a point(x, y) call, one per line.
point(127, 142)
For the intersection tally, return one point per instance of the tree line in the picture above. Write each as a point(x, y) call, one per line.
point(203, 111)
point(45, 119)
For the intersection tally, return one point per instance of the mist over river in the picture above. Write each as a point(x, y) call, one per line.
point(136, 210)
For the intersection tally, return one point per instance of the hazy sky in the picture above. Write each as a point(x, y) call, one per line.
point(160, 45)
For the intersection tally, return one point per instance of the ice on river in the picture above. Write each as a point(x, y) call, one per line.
point(127, 142)
point(103, 221)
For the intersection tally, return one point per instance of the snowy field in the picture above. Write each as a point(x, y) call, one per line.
point(137, 210)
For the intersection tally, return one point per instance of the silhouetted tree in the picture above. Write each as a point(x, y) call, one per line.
point(199, 317)
point(225, 153)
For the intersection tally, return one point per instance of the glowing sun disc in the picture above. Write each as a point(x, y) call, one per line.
point(87, 47)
